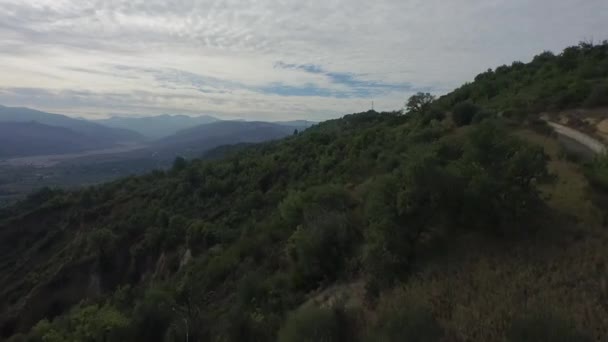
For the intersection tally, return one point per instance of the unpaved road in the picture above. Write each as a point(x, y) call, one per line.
point(591, 143)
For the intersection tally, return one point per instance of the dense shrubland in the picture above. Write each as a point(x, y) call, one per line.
point(237, 248)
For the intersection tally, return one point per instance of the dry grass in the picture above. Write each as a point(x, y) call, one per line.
point(569, 193)
point(476, 293)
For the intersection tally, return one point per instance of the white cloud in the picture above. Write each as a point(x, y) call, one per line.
point(102, 57)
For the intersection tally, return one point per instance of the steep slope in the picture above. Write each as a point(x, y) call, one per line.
point(105, 135)
point(157, 127)
point(27, 139)
point(375, 226)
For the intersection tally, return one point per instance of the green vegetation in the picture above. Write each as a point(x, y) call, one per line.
point(574, 78)
point(597, 172)
point(454, 224)
point(542, 326)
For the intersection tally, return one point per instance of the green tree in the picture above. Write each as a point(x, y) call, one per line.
point(419, 103)
point(463, 113)
point(319, 250)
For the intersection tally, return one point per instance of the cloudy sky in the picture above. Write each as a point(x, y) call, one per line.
point(267, 59)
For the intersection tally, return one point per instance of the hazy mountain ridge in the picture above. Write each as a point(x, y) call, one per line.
point(102, 136)
point(156, 127)
point(195, 141)
point(33, 138)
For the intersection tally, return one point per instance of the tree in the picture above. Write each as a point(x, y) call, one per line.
point(464, 112)
point(419, 103)
point(318, 251)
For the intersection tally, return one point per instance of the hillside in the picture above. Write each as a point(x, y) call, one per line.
point(106, 136)
point(452, 222)
point(575, 78)
point(156, 127)
point(27, 139)
point(18, 177)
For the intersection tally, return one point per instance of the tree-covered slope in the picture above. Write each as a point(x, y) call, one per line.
point(428, 226)
point(574, 78)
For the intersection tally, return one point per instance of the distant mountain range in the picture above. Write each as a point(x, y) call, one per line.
point(19, 139)
point(193, 142)
point(28, 132)
point(297, 123)
point(156, 127)
point(104, 135)
point(162, 126)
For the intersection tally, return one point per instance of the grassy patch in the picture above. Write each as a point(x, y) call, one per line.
point(569, 193)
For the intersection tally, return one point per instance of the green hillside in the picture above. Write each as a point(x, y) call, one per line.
point(574, 78)
point(449, 223)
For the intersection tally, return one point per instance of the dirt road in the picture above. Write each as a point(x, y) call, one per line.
point(584, 139)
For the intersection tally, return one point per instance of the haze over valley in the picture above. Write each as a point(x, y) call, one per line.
point(39, 149)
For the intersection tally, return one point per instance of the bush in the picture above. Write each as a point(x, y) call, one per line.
point(319, 251)
point(298, 207)
point(432, 114)
point(481, 116)
point(541, 127)
point(405, 319)
point(501, 175)
point(597, 173)
point(598, 96)
point(312, 324)
point(463, 113)
point(543, 327)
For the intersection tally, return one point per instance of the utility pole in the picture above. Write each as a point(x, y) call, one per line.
point(372, 105)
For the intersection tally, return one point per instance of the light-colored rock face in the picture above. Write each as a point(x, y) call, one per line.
point(602, 127)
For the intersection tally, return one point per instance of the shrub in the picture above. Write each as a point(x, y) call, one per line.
point(432, 114)
point(298, 207)
point(544, 327)
point(481, 116)
point(320, 250)
point(464, 112)
point(541, 127)
point(313, 324)
point(597, 173)
point(501, 175)
point(402, 318)
point(598, 96)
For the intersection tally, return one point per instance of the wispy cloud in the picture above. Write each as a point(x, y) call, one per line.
point(267, 58)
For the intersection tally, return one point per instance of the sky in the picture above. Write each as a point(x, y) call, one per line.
point(268, 59)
